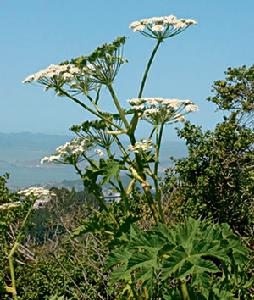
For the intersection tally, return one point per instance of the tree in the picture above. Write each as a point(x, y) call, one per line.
point(216, 179)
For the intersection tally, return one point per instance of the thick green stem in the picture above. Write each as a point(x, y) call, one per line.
point(120, 185)
point(97, 192)
point(143, 82)
point(184, 291)
point(12, 252)
point(133, 141)
point(118, 106)
point(159, 134)
point(133, 125)
point(134, 120)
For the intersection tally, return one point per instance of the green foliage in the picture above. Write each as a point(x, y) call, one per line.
point(59, 216)
point(236, 92)
point(215, 181)
point(73, 269)
point(208, 258)
point(10, 222)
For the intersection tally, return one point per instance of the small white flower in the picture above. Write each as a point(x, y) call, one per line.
point(142, 146)
point(158, 28)
point(169, 19)
point(135, 101)
point(191, 107)
point(138, 107)
point(190, 22)
point(179, 117)
point(74, 70)
point(99, 152)
point(68, 76)
point(151, 111)
point(139, 28)
point(134, 24)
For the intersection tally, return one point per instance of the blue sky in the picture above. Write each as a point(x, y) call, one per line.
point(37, 33)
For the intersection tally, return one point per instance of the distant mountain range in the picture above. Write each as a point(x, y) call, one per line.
point(20, 155)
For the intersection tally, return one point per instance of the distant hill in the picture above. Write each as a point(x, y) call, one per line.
point(20, 155)
point(28, 146)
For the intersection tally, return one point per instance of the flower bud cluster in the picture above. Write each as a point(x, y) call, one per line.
point(161, 27)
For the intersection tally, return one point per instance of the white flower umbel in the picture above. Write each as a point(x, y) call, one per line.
point(162, 110)
point(38, 192)
point(66, 77)
point(70, 151)
point(6, 206)
point(66, 71)
point(42, 195)
point(141, 146)
point(161, 27)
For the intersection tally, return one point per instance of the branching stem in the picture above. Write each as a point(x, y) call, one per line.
point(12, 252)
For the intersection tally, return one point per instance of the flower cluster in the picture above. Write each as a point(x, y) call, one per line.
point(161, 27)
point(38, 192)
point(11, 205)
point(66, 71)
point(161, 110)
point(141, 146)
point(56, 76)
point(85, 73)
point(70, 151)
point(42, 195)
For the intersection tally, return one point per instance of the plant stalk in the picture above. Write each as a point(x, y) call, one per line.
point(184, 291)
point(134, 120)
point(159, 134)
point(143, 82)
point(118, 106)
point(12, 252)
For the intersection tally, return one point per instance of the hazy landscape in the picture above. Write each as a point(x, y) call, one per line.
point(20, 155)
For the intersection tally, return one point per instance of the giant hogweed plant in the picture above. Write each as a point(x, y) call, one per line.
point(98, 153)
point(158, 264)
point(147, 264)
